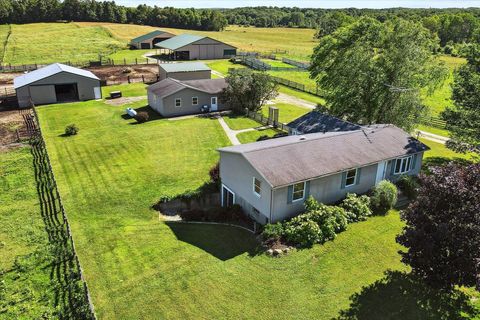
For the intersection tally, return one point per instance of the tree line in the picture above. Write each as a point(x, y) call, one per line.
point(30, 11)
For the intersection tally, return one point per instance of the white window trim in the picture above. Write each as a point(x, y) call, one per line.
point(303, 192)
point(407, 169)
point(253, 185)
point(354, 180)
point(194, 104)
point(230, 190)
point(176, 102)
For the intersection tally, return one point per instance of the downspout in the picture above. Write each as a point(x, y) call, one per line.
point(271, 204)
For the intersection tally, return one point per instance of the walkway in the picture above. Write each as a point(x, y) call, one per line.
point(432, 137)
point(232, 134)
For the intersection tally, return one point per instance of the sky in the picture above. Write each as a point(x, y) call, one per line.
point(306, 3)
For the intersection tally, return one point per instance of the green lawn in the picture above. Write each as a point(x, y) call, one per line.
point(439, 150)
point(287, 112)
point(3, 40)
point(129, 56)
point(238, 122)
point(128, 90)
point(252, 136)
point(223, 65)
point(58, 42)
point(434, 130)
point(302, 95)
point(277, 63)
point(25, 288)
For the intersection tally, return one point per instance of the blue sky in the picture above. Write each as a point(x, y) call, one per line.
point(305, 3)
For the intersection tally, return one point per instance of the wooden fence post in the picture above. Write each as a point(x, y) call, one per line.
point(136, 61)
point(143, 79)
point(124, 61)
point(128, 79)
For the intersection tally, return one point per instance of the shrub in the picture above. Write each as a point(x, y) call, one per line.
point(409, 186)
point(357, 208)
point(71, 130)
point(302, 232)
point(215, 174)
point(384, 197)
point(340, 216)
point(311, 204)
point(141, 117)
point(273, 231)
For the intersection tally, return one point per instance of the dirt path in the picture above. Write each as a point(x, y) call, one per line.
point(285, 98)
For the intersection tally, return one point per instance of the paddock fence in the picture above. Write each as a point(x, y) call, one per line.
point(72, 297)
point(267, 121)
point(298, 64)
point(433, 121)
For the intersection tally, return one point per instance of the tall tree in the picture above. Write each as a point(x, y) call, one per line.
point(248, 90)
point(463, 120)
point(372, 72)
point(442, 232)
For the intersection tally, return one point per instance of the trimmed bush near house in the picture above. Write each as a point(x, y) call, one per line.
point(141, 117)
point(71, 130)
point(273, 232)
point(303, 232)
point(311, 204)
point(384, 197)
point(409, 186)
point(357, 208)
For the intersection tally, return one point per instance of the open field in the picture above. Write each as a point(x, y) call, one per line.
point(138, 266)
point(25, 258)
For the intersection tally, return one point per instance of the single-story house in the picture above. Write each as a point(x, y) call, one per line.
point(149, 40)
point(193, 47)
point(171, 97)
point(271, 179)
point(184, 71)
point(56, 83)
point(316, 121)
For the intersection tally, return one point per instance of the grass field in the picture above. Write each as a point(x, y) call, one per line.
point(439, 150)
point(128, 90)
point(252, 136)
point(130, 56)
point(287, 112)
point(25, 288)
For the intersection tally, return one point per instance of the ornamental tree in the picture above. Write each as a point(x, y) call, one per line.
point(442, 232)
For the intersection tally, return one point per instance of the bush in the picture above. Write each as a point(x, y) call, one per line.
point(409, 186)
point(302, 232)
point(141, 117)
point(311, 204)
point(384, 197)
point(215, 174)
point(71, 130)
point(273, 231)
point(356, 208)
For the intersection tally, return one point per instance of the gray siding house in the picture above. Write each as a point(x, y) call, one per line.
point(149, 40)
point(184, 71)
point(171, 97)
point(193, 47)
point(56, 83)
point(272, 179)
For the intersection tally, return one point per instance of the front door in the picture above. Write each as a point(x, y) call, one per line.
point(382, 167)
point(214, 106)
point(228, 197)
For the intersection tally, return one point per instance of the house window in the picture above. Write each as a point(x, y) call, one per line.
point(257, 186)
point(194, 101)
point(298, 191)
point(178, 102)
point(403, 165)
point(351, 178)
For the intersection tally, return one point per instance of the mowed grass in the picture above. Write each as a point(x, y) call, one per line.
point(138, 266)
point(252, 136)
point(277, 63)
point(4, 29)
point(58, 42)
point(128, 90)
point(130, 56)
point(301, 95)
point(438, 150)
point(25, 288)
point(287, 112)
point(223, 65)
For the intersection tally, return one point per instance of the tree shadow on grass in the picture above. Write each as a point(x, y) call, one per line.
point(222, 242)
point(400, 295)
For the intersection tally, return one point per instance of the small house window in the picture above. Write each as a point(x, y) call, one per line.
point(194, 101)
point(403, 165)
point(298, 191)
point(178, 102)
point(351, 178)
point(257, 186)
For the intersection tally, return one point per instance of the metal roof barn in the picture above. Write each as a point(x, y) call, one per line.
point(184, 71)
point(149, 40)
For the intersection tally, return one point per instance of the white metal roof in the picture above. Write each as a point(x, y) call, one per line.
point(184, 67)
point(48, 71)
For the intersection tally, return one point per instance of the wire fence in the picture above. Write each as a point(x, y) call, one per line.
point(259, 117)
point(72, 297)
point(298, 64)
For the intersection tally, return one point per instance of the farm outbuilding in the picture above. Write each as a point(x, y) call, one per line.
point(56, 83)
point(149, 40)
point(193, 47)
point(184, 71)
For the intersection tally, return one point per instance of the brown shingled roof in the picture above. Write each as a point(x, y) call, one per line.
point(169, 86)
point(287, 160)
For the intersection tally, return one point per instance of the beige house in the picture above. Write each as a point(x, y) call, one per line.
point(272, 179)
point(184, 71)
point(56, 83)
point(193, 47)
point(171, 97)
point(149, 40)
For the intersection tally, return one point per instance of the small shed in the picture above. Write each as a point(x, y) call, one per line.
point(56, 83)
point(149, 40)
point(193, 47)
point(184, 71)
